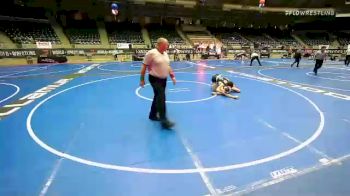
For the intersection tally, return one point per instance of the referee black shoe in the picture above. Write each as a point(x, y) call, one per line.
point(167, 124)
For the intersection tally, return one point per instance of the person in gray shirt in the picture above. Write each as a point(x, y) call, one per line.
point(320, 56)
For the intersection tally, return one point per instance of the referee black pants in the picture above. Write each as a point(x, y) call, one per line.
point(257, 58)
point(158, 103)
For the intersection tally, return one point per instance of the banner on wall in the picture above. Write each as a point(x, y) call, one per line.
point(170, 51)
point(20, 53)
point(44, 45)
point(336, 51)
point(320, 46)
point(123, 45)
point(17, 53)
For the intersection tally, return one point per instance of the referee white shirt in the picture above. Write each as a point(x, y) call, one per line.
point(157, 63)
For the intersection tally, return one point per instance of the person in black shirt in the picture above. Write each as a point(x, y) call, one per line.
point(297, 57)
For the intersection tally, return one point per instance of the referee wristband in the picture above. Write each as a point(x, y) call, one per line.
point(142, 78)
point(172, 75)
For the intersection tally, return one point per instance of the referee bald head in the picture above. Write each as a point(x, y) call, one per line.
point(162, 44)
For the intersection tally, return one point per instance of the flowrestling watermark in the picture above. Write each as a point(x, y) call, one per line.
point(310, 12)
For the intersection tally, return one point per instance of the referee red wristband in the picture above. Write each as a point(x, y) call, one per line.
point(172, 75)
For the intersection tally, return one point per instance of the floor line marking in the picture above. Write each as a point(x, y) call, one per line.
point(287, 135)
point(198, 164)
point(269, 181)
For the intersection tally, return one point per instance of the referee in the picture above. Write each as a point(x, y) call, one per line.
point(254, 56)
point(158, 65)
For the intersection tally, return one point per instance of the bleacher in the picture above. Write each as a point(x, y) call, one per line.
point(83, 32)
point(343, 38)
point(282, 37)
point(257, 36)
point(228, 36)
point(124, 33)
point(313, 39)
point(25, 32)
point(156, 31)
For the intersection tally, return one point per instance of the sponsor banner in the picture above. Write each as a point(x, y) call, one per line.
point(59, 52)
point(279, 51)
point(141, 51)
point(20, 53)
point(170, 51)
point(336, 51)
point(107, 52)
point(123, 45)
point(43, 45)
point(17, 53)
point(72, 52)
point(329, 51)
